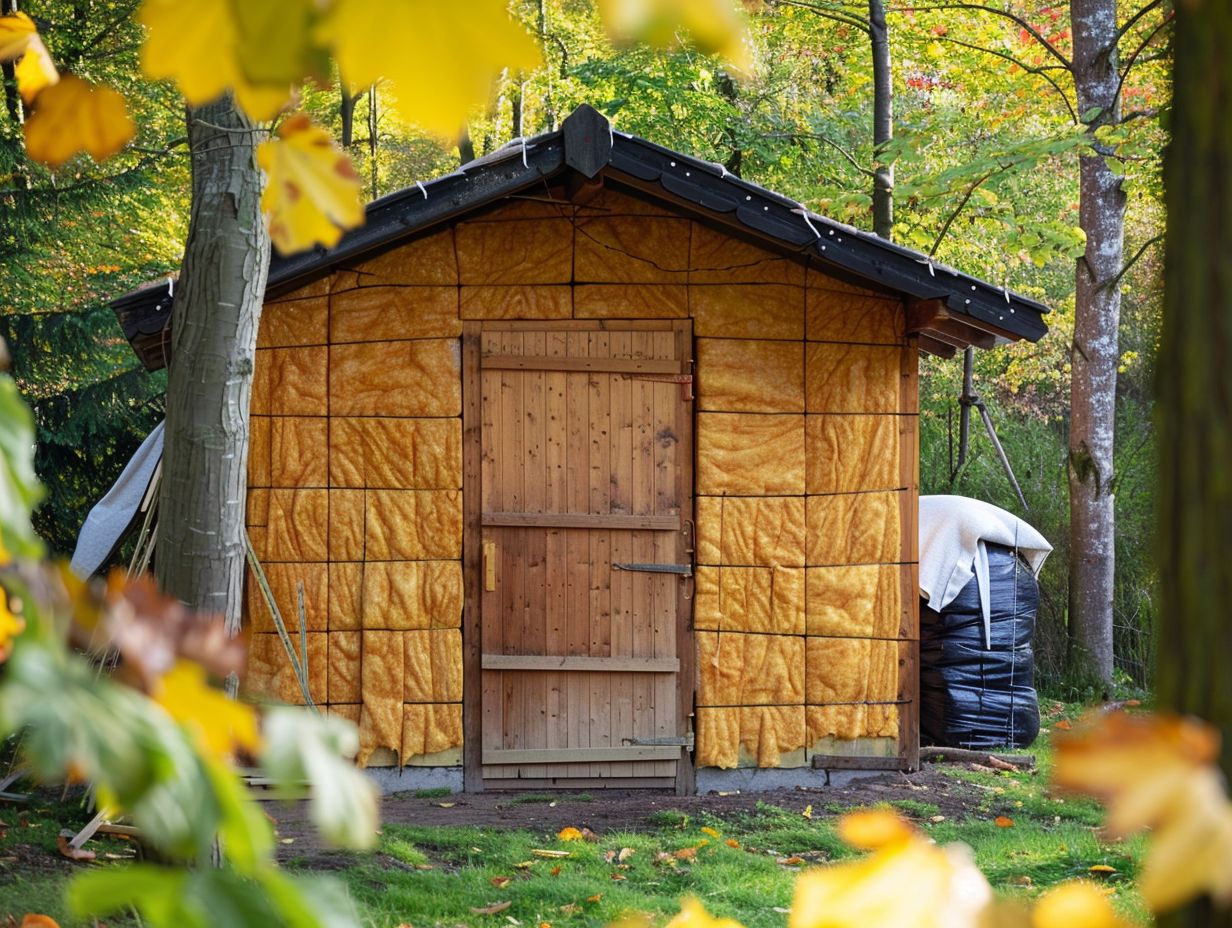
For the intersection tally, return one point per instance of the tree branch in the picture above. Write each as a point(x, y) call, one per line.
point(845, 18)
point(1030, 69)
point(1130, 263)
point(1129, 23)
point(958, 209)
point(816, 137)
point(979, 7)
point(1129, 62)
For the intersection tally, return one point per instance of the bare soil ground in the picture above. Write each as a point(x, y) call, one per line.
point(629, 810)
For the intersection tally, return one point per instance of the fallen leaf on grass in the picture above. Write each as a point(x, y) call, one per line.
point(664, 858)
point(286, 840)
point(791, 861)
point(569, 834)
point(619, 876)
point(425, 867)
point(732, 842)
point(1101, 870)
point(1064, 725)
point(492, 909)
point(1023, 880)
point(570, 908)
point(625, 854)
point(686, 853)
point(1003, 821)
point(446, 805)
point(937, 819)
point(555, 871)
point(710, 831)
point(72, 853)
point(807, 811)
point(595, 898)
point(524, 865)
point(544, 852)
point(33, 920)
point(500, 882)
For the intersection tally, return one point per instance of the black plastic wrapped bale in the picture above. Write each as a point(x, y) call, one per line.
point(977, 690)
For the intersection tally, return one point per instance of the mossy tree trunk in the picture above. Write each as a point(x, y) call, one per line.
point(1194, 386)
point(200, 558)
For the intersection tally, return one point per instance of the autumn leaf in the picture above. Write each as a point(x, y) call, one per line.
point(1158, 772)
point(625, 854)
point(732, 843)
point(10, 627)
point(35, 72)
point(75, 115)
point(807, 811)
point(312, 192)
point(492, 909)
point(222, 725)
point(1003, 821)
point(694, 915)
point(714, 26)
point(908, 880)
point(873, 829)
point(595, 898)
point(32, 920)
point(197, 43)
point(1075, 903)
point(569, 834)
point(1064, 725)
point(73, 853)
point(686, 853)
point(500, 882)
point(16, 31)
point(441, 58)
point(545, 852)
point(712, 832)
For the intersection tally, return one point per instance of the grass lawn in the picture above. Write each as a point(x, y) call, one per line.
point(741, 865)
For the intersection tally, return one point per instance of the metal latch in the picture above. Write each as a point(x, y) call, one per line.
point(685, 381)
point(682, 570)
point(686, 742)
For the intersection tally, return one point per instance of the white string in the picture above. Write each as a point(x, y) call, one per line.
point(808, 222)
point(422, 188)
point(170, 286)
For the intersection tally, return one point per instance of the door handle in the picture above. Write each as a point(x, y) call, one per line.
point(489, 566)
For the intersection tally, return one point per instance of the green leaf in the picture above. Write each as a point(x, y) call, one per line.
point(156, 892)
point(19, 488)
point(302, 747)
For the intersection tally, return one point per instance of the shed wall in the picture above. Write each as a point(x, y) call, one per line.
point(806, 485)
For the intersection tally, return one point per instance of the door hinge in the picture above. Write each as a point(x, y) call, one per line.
point(686, 742)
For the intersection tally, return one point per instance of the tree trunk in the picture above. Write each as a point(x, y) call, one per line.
point(1194, 412)
point(1094, 355)
point(214, 336)
point(883, 121)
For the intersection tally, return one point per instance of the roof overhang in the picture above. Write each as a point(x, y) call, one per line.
point(947, 309)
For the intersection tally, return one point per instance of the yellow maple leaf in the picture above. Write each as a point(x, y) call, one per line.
point(569, 834)
point(694, 915)
point(16, 31)
point(312, 191)
point(907, 881)
point(75, 115)
point(1158, 772)
point(441, 58)
point(10, 627)
point(35, 72)
point(19, 38)
point(1075, 903)
point(197, 43)
point(222, 725)
point(714, 26)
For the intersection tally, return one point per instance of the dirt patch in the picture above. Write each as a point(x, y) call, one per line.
point(605, 811)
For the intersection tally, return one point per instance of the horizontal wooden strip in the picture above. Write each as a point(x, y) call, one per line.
point(580, 663)
point(855, 762)
point(581, 755)
point(522, 784)
point(601, 365)
point(577, 325)
point(612, 520)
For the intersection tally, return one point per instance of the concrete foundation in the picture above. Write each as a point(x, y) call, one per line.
point(409, 779)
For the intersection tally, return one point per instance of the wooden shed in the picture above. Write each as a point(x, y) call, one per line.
point(599, 465)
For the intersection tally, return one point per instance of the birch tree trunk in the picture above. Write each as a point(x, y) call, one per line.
point(1194, 392)
point(200, 558)
point(1094, 354)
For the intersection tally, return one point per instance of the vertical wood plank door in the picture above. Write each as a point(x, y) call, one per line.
point(585, 487)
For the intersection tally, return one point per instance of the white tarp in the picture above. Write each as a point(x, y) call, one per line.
point(954, 531)
point(112, 515)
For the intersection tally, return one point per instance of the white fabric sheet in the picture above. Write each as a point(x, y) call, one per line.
point(954, 532)
point(112, 515)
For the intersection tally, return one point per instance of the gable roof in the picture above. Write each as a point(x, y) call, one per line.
point(946, 308)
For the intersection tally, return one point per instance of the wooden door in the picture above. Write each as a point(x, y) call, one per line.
point(584, 459)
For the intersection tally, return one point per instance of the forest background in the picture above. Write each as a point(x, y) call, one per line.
point(985, 153)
